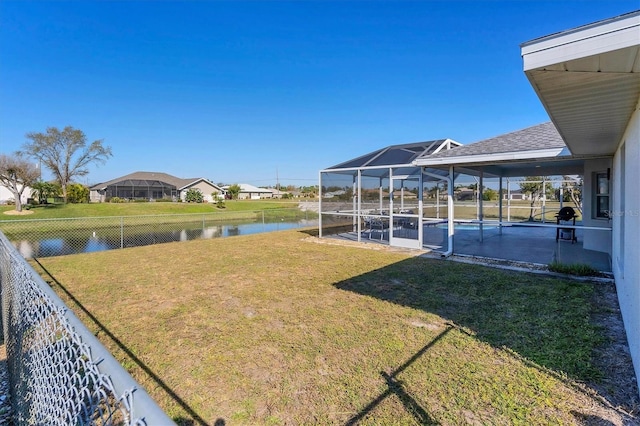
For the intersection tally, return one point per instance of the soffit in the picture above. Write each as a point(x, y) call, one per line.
point(589, 82)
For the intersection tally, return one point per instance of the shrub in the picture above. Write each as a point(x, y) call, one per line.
point(117, 200)
point(194, 195)
point(578, 269)
point(77, 193)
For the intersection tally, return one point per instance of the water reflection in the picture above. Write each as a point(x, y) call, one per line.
point(66, 243)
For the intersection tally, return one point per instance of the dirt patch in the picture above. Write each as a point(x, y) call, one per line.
point(17, 213)
point(618, 386)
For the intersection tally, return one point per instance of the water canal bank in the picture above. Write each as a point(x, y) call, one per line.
point(44, 238)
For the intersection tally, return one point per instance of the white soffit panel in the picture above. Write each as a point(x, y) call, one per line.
point(588, 80)
point(590, 40)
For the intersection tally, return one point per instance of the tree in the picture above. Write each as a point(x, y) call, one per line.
point(234, 190)
point(77, 193)
point(489, 194)
point(65, 153)
point(309, 191)
point(572, 191)
point(43, 190)
point(218, 198)
point(532, 186)
point(16, 173)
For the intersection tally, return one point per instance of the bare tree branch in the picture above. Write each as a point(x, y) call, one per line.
point(65, 153)
point(16, 173)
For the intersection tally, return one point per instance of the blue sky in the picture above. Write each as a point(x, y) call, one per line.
point(244, 92)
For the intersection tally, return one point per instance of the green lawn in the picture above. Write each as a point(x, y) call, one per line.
point(282, 328)
point(137, 209)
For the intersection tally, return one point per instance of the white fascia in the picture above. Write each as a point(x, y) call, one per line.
point(590, 40)
point(489, 158)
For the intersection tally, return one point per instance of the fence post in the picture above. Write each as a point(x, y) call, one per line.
point(121, 231)
point(262, 211)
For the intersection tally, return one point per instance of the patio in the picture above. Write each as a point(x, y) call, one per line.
point(515, 242)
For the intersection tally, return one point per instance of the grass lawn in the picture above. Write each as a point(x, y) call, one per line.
point(281, 328)
point(137, 209)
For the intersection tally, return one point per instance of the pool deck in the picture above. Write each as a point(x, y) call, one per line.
point(513, 243)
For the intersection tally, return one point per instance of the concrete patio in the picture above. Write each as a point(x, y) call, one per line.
point(514, 242)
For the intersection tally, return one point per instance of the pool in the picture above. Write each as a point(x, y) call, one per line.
point(467, 226)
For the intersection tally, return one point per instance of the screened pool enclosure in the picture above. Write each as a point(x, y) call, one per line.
point(383, 196)
point(421, 195)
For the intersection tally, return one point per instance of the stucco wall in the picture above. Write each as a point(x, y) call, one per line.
point(6, 195)
point(626, 233)
point(96, 196)
point(594, 239)
point(204, 187)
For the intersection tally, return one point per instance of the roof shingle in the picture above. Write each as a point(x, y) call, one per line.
point(151, 176)
point(538, 137)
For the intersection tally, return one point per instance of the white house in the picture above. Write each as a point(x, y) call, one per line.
point(152, 186)
point(250, 192)
point(7, 196)
point(588, 80)
point(515, 194)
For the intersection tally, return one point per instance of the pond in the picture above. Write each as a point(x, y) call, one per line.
point(67, 242)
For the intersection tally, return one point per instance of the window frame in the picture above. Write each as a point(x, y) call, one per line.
point(598, 195)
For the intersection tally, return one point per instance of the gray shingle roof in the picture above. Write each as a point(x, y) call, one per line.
point(541, 136)
point(150, 176)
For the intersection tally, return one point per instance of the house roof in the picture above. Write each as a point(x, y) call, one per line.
point(588, 80)
point(245, 187)
point(192, 182)
point(535, 151)
point(543, 139)
point(151, 179)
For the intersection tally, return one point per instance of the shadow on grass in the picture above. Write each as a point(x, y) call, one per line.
point(544, 321)
point(395, 387)
point(195, 418)
point(328, 230)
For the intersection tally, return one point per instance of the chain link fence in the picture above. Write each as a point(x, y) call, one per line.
point(59, 373)
point(56, 237)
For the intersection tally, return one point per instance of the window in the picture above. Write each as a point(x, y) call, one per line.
point(602, 195)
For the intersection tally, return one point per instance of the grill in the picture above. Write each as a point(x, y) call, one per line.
point(566, 216)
